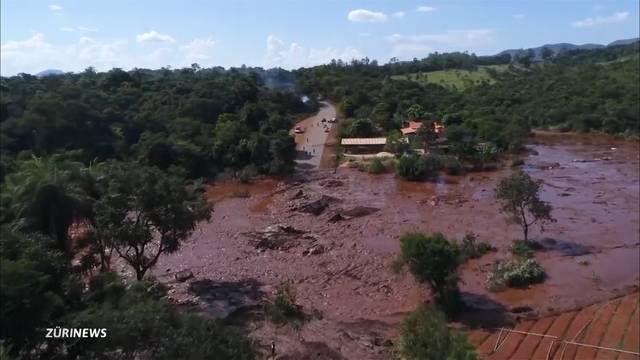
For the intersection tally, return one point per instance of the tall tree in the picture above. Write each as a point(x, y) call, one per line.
point(521, 203)
point(145, 213)
point(435, 261)
point(46, 195)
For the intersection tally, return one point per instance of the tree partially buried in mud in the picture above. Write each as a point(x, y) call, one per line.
point(146, 212)
point(519, 195)
point(434, 260)
point(425, 335)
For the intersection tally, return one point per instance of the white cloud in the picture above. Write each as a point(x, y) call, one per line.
point(198, 49)
point(35, 42)
point(154, 36)
point(425, 9)
point(273, 43)
point(518, 16)
point(77, 28)
point(409, 46)
point(36, 54)
point(362, 15)
point(399, 14)
point(601, 20)
point(295, 55)
point(55, 7)
point(84, 28)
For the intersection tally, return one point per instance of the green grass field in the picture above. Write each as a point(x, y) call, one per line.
point(454, 78)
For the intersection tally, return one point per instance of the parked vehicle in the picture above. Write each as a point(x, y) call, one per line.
point(298, 129)
point(333, 120)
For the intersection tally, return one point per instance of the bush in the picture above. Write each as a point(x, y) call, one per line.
point(524, 248)
point(472, 249)
point(434, 260)
point(411, 168)
point(425, 335)
point(453, 166)
point(247, 174)
point(140, 320)
point(518, 274)
point(432, 164)
point(376, 167)
point(284, 310)
point(416, 168)
point(357, 128)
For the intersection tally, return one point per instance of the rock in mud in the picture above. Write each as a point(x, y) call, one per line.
point(331, 183)
point(297, 195)
point(183, 275)
point(354, 212)
point(314, 250)
point(275, 237)
point(318, 206)
point(547, 165)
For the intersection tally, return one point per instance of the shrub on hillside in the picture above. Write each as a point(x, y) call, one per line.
point(425, 335)
point(515, 273)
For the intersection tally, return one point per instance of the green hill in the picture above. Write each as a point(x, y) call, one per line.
point(457, 79)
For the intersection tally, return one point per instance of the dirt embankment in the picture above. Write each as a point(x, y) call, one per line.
point(335, 235)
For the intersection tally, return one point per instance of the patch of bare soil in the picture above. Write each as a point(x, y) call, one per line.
point(335, 235)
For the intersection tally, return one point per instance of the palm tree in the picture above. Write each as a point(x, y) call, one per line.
point(46, 195)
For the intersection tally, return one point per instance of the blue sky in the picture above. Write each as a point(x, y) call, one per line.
point(72, 35)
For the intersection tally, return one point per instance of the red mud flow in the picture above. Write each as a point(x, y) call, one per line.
point(337, 236)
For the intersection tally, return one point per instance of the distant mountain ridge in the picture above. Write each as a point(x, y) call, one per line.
point(564, 47)
point(624, 42)
point(50, 72)
point(279, 78)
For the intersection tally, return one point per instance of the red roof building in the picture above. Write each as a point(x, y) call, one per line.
point(413, 127)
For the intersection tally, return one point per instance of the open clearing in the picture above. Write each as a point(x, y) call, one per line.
point(454, 78)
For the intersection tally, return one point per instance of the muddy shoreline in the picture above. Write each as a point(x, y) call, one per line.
point(341, 269)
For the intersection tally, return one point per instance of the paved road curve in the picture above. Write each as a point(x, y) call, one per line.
point(310, 144)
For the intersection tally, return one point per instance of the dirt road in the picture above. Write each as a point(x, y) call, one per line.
point(310, 144)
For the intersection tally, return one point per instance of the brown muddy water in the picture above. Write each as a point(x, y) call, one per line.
point(591, 253)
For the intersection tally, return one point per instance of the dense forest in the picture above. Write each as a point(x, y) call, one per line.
point(595, 90)
point(125, 154)
point(202, 120)
point(121, 154)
